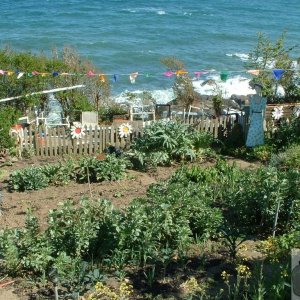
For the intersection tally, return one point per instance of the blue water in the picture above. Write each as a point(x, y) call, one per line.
point(121, 37)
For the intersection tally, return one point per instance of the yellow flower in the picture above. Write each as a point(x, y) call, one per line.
point(243, 271)
point(192, 286)
point(225, 276)
point(125, 289)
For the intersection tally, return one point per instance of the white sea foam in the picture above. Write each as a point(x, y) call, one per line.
point(160, 96)
point(241, 56)
point(161, 12)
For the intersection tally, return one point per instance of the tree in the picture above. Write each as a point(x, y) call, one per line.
point(266, 56)
point(183, 86)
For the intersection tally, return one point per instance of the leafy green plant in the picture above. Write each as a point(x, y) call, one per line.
point(111, 168)
point(263, 152)
point(163, 142)
point(28, 179)
point(55, 175)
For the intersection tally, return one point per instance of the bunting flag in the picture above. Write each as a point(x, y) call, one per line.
point(20, 75)
point(169, 73)
point(181, 72)
point(278, 73)
point(133, 76)
point(224, 75)
point(102, 78)
point(198, 74)
point(90, 73)
point(253, 72)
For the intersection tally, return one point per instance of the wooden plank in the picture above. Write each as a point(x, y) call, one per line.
point(75, 146)
point(112, 136)
point(97, 139)
point(36, 143)
point(80, 145)
point(49, 140)
point(42, 142)
point(30, 137)
point(107, 134)
point(91, 139)
point(86, 139)
point(59, 140)
point(55, 144)
point(64, 149)
point(25, 140)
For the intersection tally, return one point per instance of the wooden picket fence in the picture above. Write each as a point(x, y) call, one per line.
point(58, 141)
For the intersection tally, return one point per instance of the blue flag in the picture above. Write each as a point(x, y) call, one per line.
point(278, 73)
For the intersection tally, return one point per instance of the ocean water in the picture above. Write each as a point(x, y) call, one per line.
point(121, 37)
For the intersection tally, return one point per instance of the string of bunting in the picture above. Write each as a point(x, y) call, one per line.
point(277, 73)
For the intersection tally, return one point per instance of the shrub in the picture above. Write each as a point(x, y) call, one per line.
point(290, 158)
point(8, 117)
point(287, 133)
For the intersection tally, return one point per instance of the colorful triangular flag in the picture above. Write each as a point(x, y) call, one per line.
point(90, 73)
point(102, 78)
point(254, 72)
point(181, 72)
point(168, 73)
point(133, 76)
point(20, 75)
point(224, 75)
point(198, 74)
point(278, 73)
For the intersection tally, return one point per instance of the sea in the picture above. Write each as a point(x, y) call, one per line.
point(121, 37)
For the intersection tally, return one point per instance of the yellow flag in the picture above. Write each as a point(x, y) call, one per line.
point(253, 72)
point(102, 78)
point(181, 72)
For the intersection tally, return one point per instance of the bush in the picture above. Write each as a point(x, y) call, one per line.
point(290, 158)
point(8, 117)
point(287, 133)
